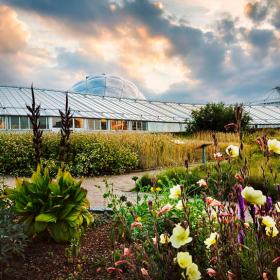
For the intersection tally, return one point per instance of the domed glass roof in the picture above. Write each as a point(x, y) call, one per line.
point(108, 85)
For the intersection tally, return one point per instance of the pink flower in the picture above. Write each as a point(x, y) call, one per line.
point(239, 178)
point(127, 252)
point(135, 225)
point(230, 275)
point(211, 272)
point(164, 209)
point(218, 156)
point(210, 201)
point(114, 269)
point(144, 272)
point(276, 260)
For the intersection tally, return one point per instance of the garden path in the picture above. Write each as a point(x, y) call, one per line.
point(123, 184)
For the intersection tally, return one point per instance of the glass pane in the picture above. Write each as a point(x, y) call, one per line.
point(24, 123)
point(125, 125)
point(14, 122)
point(97, 124)
point(145, 126)
point(56, 122)
point(103, 124)
point(91, 124)
point(2, 122)
point(44, 123)
point(139, 125)
point(79, 123)
point(134, 127)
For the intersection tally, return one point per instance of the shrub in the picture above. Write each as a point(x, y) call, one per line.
point(12, 237)
point(214, 117)
point(99, 153)
point(58, 207)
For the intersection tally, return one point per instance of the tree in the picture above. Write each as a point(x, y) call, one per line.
point(214, 117)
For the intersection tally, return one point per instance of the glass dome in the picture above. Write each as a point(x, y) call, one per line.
point(108, 85)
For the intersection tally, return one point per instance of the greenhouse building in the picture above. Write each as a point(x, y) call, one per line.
point(110, 103)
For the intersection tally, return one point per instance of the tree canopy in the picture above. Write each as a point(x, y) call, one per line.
point(214, 117)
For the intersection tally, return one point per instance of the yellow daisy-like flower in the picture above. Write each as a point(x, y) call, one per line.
point(253, 196)
point(184, 259)
point(273, 146)
point(175, 192)
point(278, 273)
point(268, 221)
point(211, 240)
point(232, 151)
point(193, 272)
point(271, 231)
point(164, 238)
point(158, 189)
point(180, 236)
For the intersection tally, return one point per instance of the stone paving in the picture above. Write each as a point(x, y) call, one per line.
point(123, 184)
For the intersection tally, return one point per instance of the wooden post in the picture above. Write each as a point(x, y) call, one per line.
point(204, 155)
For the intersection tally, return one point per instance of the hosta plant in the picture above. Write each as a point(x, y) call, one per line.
point(56, 206)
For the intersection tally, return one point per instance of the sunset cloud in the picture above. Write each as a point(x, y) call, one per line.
point(178, 57)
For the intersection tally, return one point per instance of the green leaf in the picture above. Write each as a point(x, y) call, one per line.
point(48, 218)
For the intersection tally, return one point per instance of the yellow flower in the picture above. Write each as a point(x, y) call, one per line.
point(232, 151)
point(180, 236)
point(193, 272)
point(278, 273)
point(271, 231)
point(179, 205)
point(253, 196)
point(273, 146)
point(152, 189)
point(211, 240)
point(175, 192)
point(268, 221)
point(158, 189)
point(184, 259)
point(164, 239)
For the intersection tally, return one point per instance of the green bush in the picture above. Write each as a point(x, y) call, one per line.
point(58, 207)
point(12, 237)
point(214, 117)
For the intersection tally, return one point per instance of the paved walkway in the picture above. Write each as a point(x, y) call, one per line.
point(123, 184)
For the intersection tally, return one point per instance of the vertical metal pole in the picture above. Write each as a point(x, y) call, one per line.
point(204, 154)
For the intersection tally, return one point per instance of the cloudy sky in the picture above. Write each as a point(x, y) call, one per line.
point(180, 50)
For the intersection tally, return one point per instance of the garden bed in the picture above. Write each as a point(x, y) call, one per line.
point(47, 260)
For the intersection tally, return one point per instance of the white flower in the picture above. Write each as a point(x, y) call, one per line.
point(164, 238)
point(193, 272)
point(184, 259)
point(273, 146)
point(278, 273)
point(253, 196)
point(232, 151)
point(202, 183)
point(179, 205)
point(180, 236)
point(277, 207)
point(268, 221)
point(211, 240)
point(175, 192)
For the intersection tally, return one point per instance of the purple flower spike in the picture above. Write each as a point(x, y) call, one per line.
point(268, 205)
point(241, 203)
point(241, 236)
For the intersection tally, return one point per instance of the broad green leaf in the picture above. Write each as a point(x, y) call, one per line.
point(46, 217)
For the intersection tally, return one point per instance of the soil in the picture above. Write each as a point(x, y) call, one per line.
point(46, 260)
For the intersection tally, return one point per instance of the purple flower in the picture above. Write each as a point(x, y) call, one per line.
point(241, 236)
point(241, 203)
point(268, 205)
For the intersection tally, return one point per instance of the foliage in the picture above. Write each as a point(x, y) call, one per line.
point(225, 231)
point(99, 153)
point(214, 117)
point(12, 238)
point(58, 207)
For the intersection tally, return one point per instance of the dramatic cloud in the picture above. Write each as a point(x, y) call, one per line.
point(207, 53)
